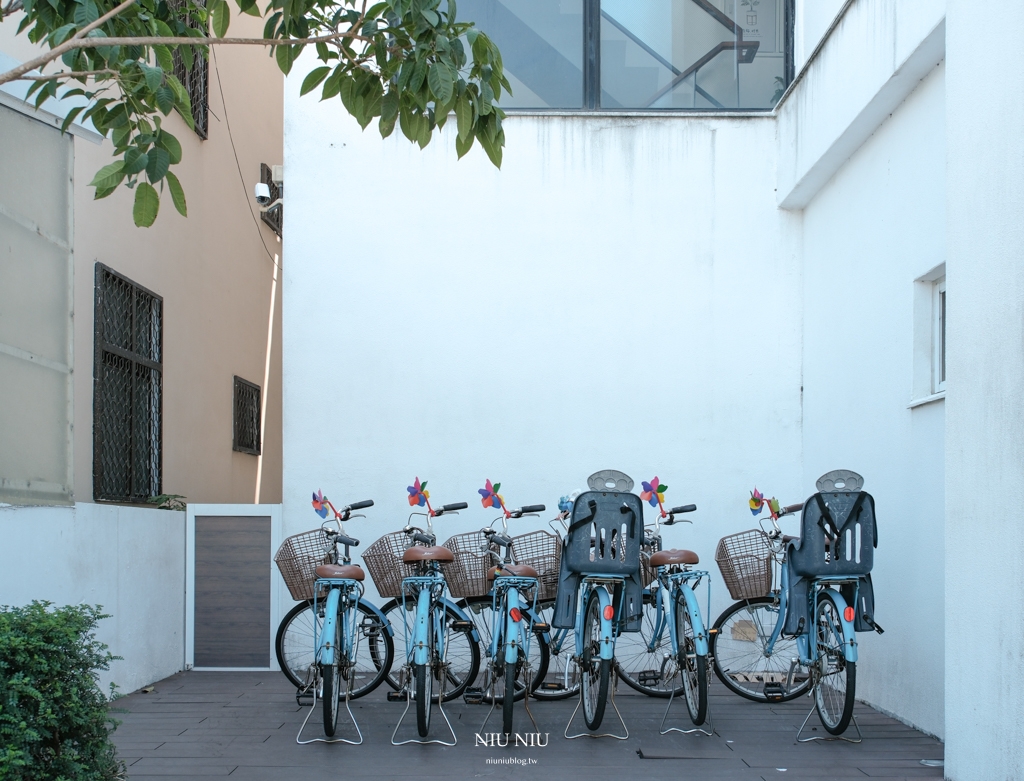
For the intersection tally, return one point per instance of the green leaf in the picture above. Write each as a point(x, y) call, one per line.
point(159, 161)
point(441, 81)
point(333, 84)
point(154, 76)
point(109, 175)
point(147, 204)
point(166, 141)
point(177, 194)
point(249, 7)
point(71, 118)
point(163, 56)
point(61, 34)
point(389, 107)
point(86, 13)
point(431, 16)
point(463, 145)
point(464, 115)
point(165, 98)
point(419, 72)
point(386, 126)
point(135, 160)
point(313, 78)
point(221, 17)
point(284, 58)
point(492, 147)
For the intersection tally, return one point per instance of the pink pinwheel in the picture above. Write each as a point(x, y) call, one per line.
point(418, 494)
point(320, 504)
point(491, 497)
point(654, 492)
point(756, 501)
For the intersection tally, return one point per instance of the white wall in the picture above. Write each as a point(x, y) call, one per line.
point(577, 310)
point(875, 228)
point(985, 418)
point(130, 560)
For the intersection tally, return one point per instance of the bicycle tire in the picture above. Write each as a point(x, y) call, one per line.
point(331, 680)
point(424, 697)
point(481, 613)
point(835, 681)
point(634, 654)
point(507, 703)
point(596, 671)
point(561, 670)
point(463, 654)
point(693, 667)
point(294, 647)
point(737, 651)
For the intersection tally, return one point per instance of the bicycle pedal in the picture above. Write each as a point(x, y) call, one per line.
point(541, 628)
point(552, 686)
point(397, 697)
point(773, 692)
point(473, 696)
point(649, 677)
point(462, 626)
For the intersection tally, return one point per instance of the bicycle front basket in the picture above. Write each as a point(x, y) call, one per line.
point(467, 575)
point(298, 557)
point(543, 551)
point(745, 562)
point(384, 561)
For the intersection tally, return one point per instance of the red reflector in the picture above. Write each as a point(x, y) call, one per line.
point(609, 612)
point(849, 613)
point(516, 615)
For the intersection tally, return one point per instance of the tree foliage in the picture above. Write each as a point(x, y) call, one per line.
point(408, 63)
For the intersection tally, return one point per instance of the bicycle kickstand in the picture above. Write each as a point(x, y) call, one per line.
point(408, 704)
point(611, 700)
point(859, 738)
point(312, 710)
point(701, 730)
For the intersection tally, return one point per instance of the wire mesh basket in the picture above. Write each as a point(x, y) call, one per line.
point(466, 576)
point(543, 551)
point(648, 574)
point(384, 562)
point(745, 562)
point(298, 557)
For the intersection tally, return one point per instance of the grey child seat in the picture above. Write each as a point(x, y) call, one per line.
point(606, 530)
point(837, 540)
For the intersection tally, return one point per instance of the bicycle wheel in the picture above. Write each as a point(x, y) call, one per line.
point(481, 612)
point(692, 667)
point(463, 654)
point(294, 647)
point(644, 659)
point(835, 678)
point(737, 646)
point(332, 683)
point(596, 671)
point(562, 671)
point(507, 702)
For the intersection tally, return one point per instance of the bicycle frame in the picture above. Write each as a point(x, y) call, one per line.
point(600, 584)
point(679, 582)
point(430, 609)
point(507, 632)
point(337, 587)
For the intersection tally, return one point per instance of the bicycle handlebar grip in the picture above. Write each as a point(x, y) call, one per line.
point(794, 508)
point(456, 506)
point(686, 508)
point(361, 505)
point(532, 508)
point(351, 541)
point(426, 539)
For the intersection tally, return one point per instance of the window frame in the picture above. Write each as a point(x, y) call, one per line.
point(939, 335)
point(100, 346)
point(236, 445)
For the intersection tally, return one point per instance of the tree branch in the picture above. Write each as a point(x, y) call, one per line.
point(69, 75)
point(93, 43)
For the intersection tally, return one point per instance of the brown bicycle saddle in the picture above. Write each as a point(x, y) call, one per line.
point(350, 571)
point(427, 553)
point(665, 557)
point(515, 570)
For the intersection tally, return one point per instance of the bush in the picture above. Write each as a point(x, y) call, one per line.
point(54, 722)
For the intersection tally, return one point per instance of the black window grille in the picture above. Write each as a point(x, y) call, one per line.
point(275, 217)
point(195, 79)
point(247, 417)
point(127, 390)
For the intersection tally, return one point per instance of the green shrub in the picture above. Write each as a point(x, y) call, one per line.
point(54, 721)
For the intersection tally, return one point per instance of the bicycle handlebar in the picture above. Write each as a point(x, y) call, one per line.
point(686, 508)
point(498, 537)
point(345, 540)
point(448, 508)
point(530, 508)
point(359, 505)
point(793, 508)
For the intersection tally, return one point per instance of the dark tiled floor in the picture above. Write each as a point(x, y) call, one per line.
point(199, 725)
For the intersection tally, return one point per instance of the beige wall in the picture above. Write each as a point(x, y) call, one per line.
point(212, 271)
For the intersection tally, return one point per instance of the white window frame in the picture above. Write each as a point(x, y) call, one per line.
point(929, 338)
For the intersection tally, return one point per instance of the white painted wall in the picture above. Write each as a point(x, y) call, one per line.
point(985, 418)
point(577, 310)
point(813, 18)
point(869, 233)
point(130, 560)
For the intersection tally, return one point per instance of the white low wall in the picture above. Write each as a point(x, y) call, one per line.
point(130, 560)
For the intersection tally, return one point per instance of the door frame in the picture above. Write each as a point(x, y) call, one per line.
point(274, 511)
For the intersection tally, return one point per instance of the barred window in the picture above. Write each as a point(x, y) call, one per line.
point(127, 390)
point(195, 76)
point(247, 417)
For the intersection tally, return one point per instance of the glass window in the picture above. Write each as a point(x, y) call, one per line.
point(939, 338)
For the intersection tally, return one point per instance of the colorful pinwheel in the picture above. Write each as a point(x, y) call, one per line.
point(491, 497)
point(756, 501)
point(418, 494)
point(654, 492)
point(320, 504)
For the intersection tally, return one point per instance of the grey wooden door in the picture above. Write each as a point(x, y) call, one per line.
point(232, 591)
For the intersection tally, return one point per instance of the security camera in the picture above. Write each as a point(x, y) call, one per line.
point(262, 194)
